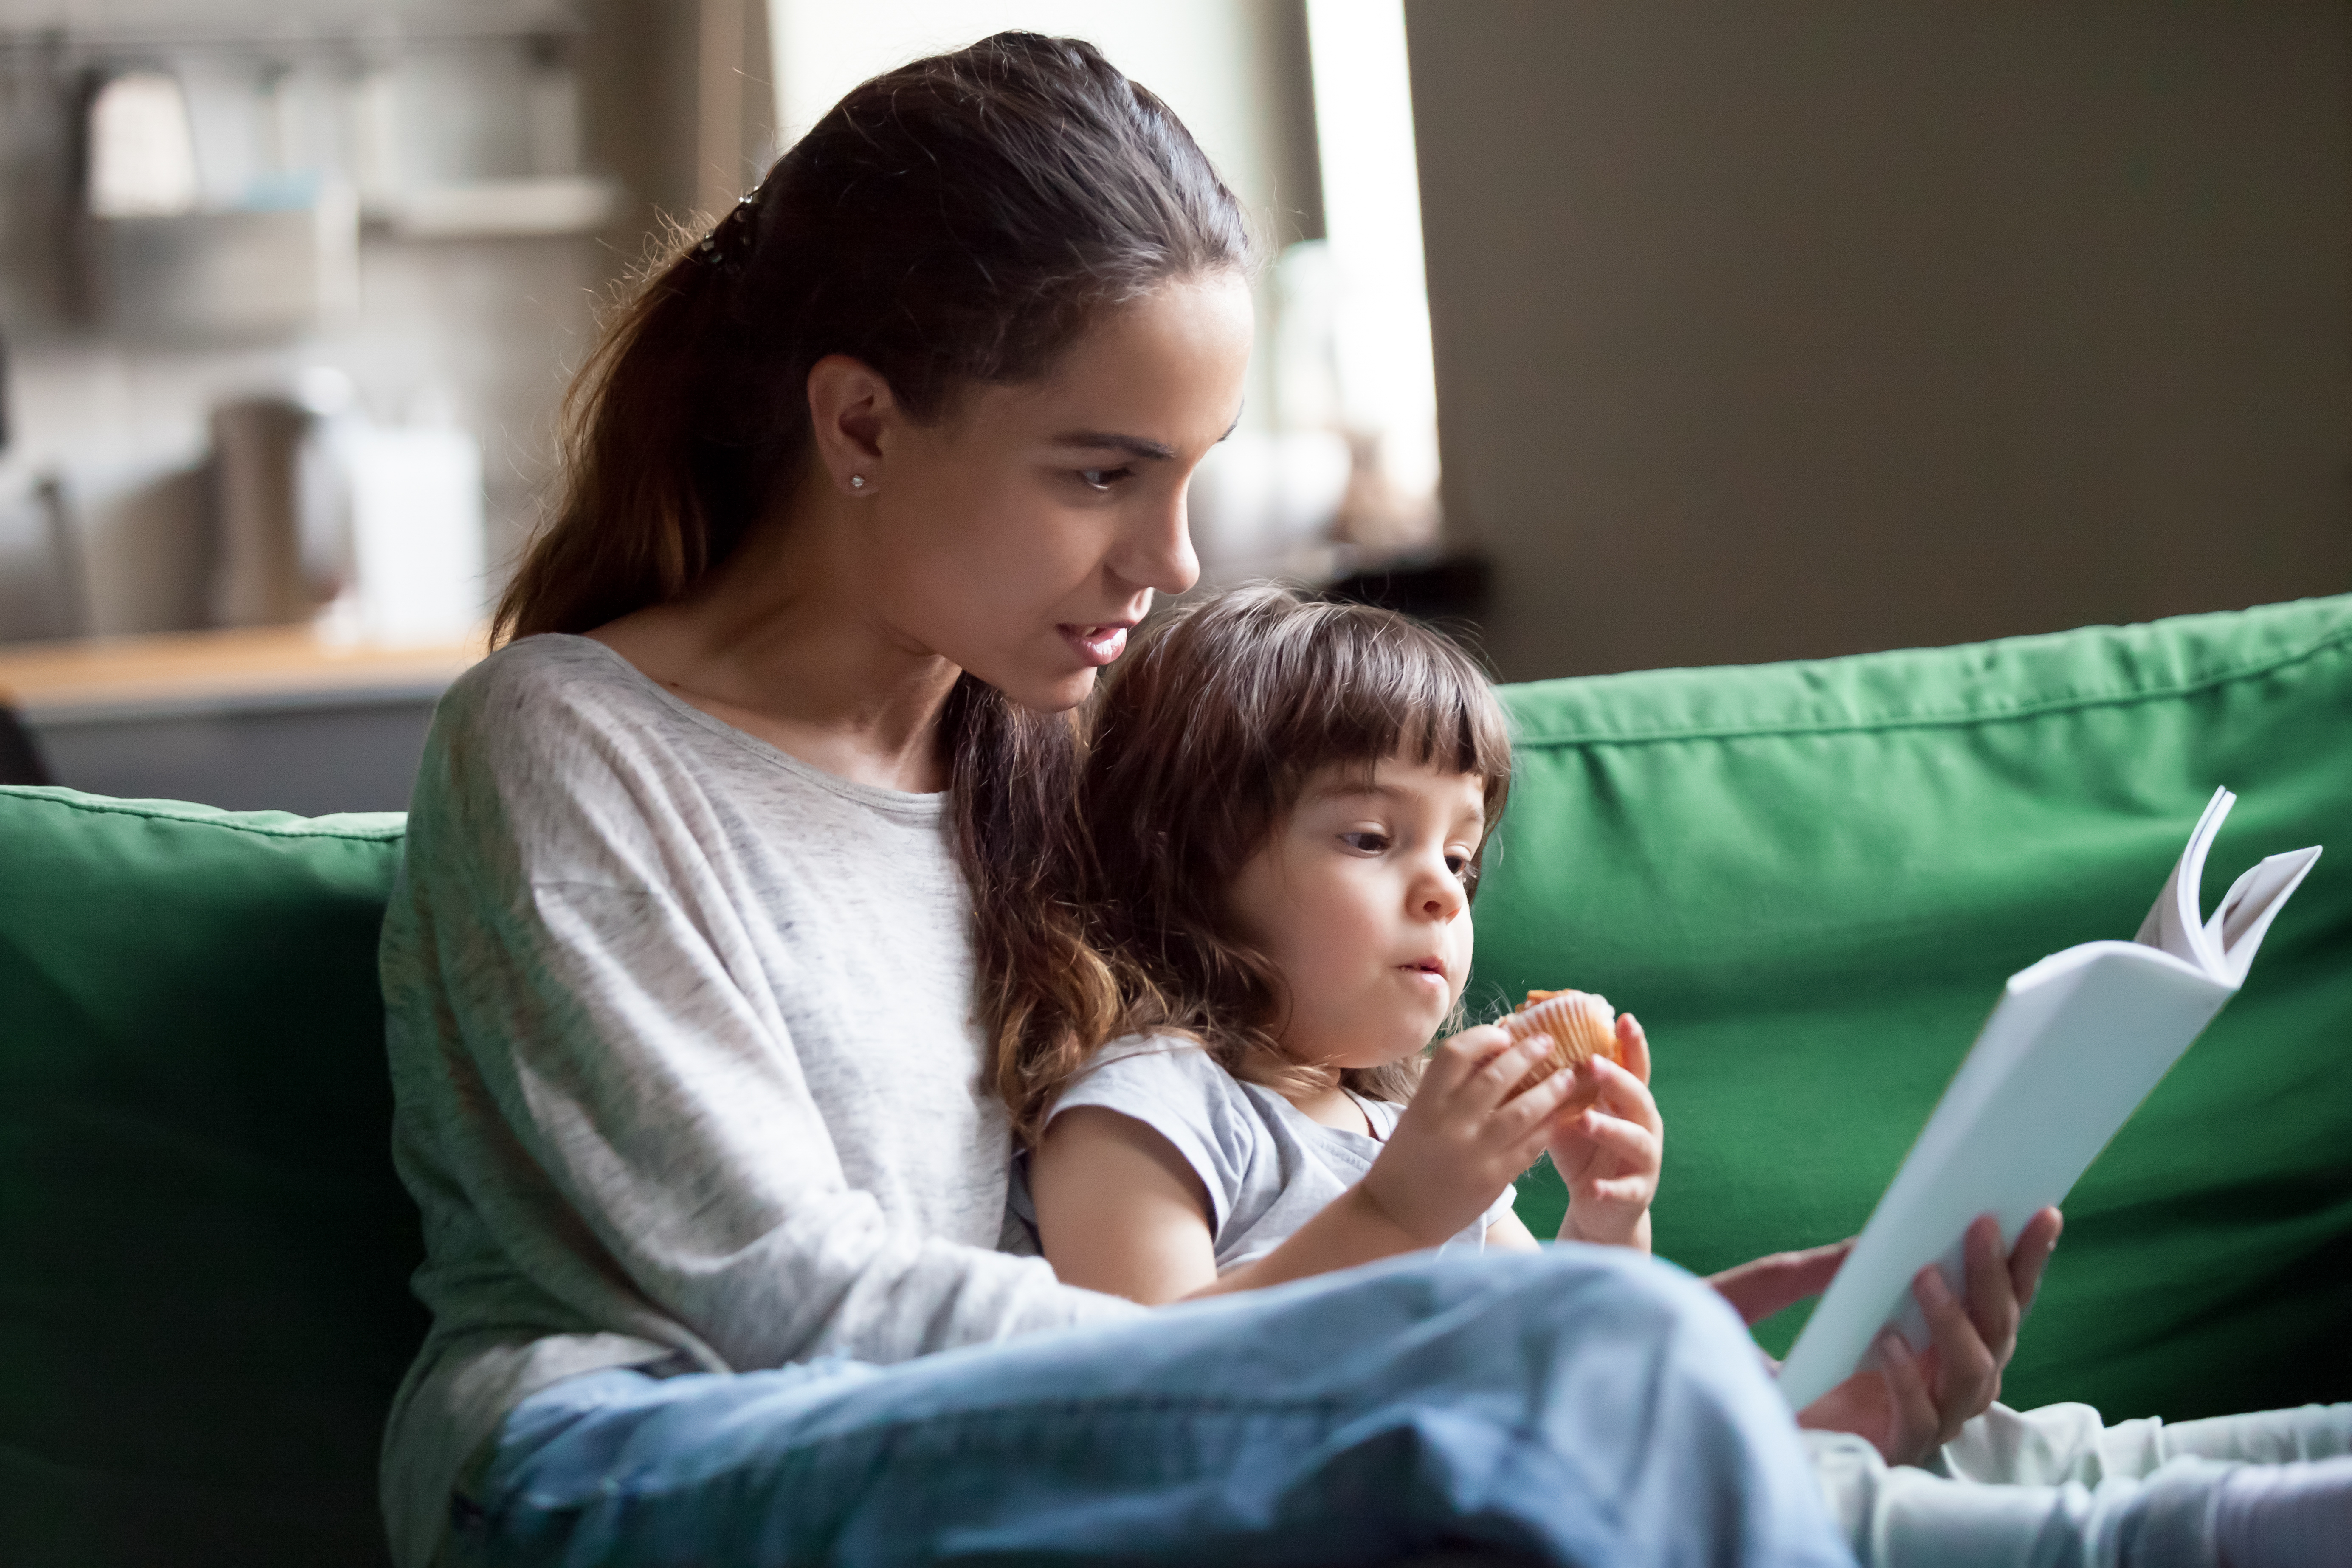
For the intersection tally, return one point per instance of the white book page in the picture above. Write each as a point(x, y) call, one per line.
point(2076, 1041)
point(2224, 946)
point(2254, 901)
point(2173, 924)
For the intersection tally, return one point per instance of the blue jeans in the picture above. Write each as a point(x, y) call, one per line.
point(1577, 1405)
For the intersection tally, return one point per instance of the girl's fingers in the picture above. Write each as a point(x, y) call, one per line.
point(1633, 1193)
point(1624, 1094)
point(1502, 1071)
point(1536, 1111)
point(1631, 1144)
point(1633, 1046)
point(1528, 1148)
point(1457, 1059)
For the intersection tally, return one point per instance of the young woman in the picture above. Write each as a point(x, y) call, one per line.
point(735, 879)
point(1287, 804)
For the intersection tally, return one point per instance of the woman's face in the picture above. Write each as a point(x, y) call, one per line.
point(1022, 536)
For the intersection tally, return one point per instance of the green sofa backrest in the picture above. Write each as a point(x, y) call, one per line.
point(1809, 880)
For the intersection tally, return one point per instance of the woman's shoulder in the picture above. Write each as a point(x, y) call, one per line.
point(541, 682)
point(532, 749)
point(551, 711)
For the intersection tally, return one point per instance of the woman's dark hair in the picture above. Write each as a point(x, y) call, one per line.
point(1204, 738)
point(958, 221)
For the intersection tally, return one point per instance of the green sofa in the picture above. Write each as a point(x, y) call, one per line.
point(1810, 879)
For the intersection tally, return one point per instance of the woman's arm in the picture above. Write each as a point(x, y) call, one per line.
point(601, 1088)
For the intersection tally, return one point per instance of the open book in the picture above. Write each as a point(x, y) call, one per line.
point(2075, 1042)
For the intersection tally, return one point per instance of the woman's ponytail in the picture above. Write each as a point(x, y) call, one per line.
point(630, 527)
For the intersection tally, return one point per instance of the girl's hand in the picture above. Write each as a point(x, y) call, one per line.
point(1608, 1152)
point(1458, 1145)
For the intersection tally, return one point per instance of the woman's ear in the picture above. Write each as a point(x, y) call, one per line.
point(850, 411)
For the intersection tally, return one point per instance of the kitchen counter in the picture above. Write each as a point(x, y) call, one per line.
point(270, 718)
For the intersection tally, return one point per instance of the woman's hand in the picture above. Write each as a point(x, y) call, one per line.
point(1608, 1152)
point(1458, 1144)
point(1757, 1289)
point(1914, 1402)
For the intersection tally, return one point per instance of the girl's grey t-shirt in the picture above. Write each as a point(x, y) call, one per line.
point(685, 1059)
point(1268, 1167)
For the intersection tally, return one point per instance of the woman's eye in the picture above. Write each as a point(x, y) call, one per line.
point(1102, 479)
point(1365, 842)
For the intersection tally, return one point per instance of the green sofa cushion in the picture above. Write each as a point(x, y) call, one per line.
point(204, 1295)
point(1811, 880)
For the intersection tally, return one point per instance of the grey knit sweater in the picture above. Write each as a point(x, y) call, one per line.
point(685, 1065)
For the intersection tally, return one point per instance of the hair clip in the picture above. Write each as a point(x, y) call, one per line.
point(731, 239)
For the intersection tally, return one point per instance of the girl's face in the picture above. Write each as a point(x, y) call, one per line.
point(1360, 900)
point(1021, 537)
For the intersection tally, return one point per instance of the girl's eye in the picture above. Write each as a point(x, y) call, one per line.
point(1458, 864)
point(1102, 479)
point(1365, 841)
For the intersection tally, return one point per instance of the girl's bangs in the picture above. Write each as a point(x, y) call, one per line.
point(1375, 687)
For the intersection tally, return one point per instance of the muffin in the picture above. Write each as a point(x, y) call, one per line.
point(1581, 1025)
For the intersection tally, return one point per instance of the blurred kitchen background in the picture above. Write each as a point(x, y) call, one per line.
point(1690, 332)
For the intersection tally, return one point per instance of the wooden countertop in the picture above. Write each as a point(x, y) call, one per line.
point(194, 671)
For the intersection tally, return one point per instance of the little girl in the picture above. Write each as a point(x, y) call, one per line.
point(1285, 846)
point(1287, 804)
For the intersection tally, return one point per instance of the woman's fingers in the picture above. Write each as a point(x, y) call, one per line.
point(2032, 1255)
point(1931, 1394)
point(1991, 1293)
point(1913, 1423)
point(1968, 1372)
point(1761, 1288)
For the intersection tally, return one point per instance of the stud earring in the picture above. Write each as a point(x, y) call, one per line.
point(857, 482)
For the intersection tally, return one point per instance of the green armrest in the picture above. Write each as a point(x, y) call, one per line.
point(203, 1252)
point(1809, 880)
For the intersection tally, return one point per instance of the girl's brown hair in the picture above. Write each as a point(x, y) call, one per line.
point(1204, 738)
point(958, 221)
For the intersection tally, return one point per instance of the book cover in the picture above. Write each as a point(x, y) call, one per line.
point(2073, 1045)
